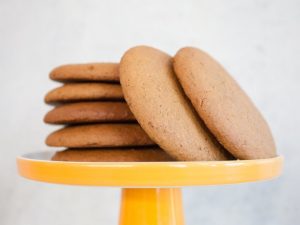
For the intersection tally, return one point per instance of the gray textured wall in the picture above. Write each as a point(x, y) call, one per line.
point(257, 41)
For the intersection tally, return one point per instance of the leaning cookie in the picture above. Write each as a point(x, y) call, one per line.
point(89, 112)
point(224, 107)
point(99, 135)
point(74, 92)
point(161, 108)
point(86, 72)
point(149, 154)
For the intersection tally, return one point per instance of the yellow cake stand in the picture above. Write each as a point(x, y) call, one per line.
point(151, 192)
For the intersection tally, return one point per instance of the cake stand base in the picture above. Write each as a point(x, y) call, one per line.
point(151, 206)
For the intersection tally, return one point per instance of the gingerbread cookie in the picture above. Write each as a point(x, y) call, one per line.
point(86, 72)
point(89, 112)
point(99, 135)
point(73, 92)
point(149, 154)
point(160, 106)
point(224, 107)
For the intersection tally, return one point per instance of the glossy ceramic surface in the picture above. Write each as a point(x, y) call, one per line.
point(38, 166)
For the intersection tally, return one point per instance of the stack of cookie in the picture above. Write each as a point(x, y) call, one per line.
point(189, 105)
point(99, 125)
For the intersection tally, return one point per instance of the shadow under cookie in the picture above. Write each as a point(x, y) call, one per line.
point(148, 154)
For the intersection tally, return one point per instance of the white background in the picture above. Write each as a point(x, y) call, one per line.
point(257, 41)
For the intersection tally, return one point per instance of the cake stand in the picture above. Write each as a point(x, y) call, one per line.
point(151, 192)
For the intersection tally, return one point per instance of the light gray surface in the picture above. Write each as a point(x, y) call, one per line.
point(257, 41)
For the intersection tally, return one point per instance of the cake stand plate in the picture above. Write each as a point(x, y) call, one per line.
point(151, 192)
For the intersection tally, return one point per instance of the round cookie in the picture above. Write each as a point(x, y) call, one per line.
point(89, 112)
point(73, 92)
point(86, 72)
point(99, 135)
point(224, 107)
point(149, 154)
point(159, 105)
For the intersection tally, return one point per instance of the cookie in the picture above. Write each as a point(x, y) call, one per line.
point(159, 105)
point(73, 92)
point(224, 107)
point(89, 112)
point(86, 72)
point(149, 154)
point(99, 135)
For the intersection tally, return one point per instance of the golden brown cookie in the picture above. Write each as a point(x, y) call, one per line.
point(99, 135)
point(73, 92)
point(149, 154)
point(223, 105)
point(89, 112)
point(159, 105)
point(86, 72)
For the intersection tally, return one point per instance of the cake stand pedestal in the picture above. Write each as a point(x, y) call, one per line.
point(151, 192)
